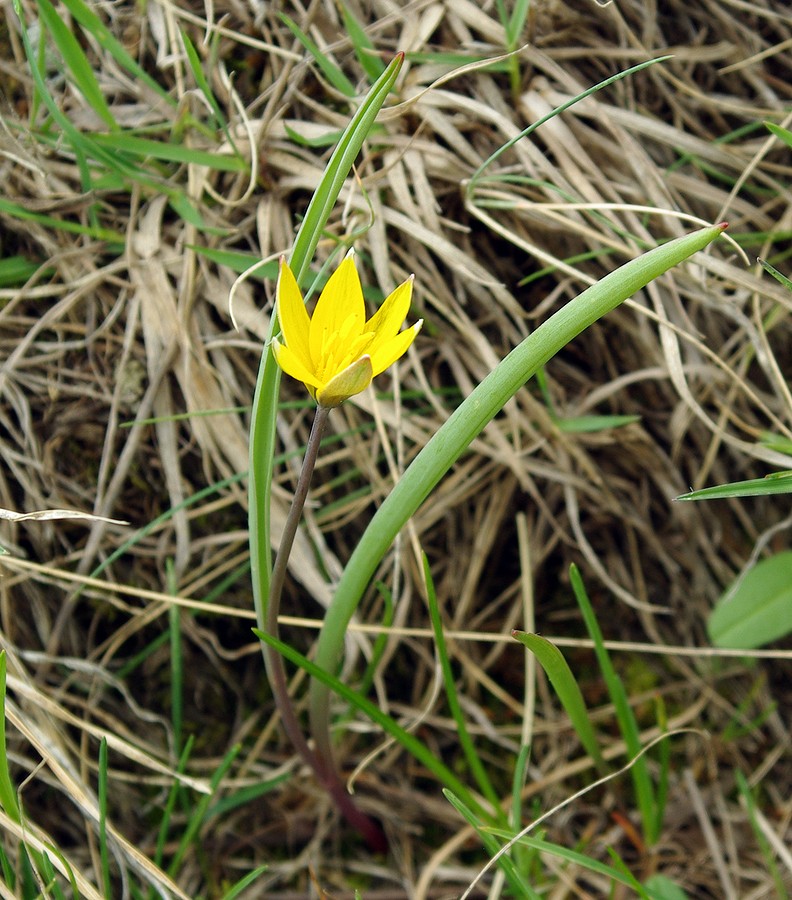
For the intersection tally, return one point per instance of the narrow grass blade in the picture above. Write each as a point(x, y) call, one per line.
point(199, 811)
point(767, 851)
point(94, 26)
point(104, 856)
point(408, 742)
point(782, 134)
point(578, 859)
point(205, 88)
point(8, 796)
point(557, 670)
point(492, 846)
point(177, 672)
point(245, 882)
point(475, 765)
point(145, 148)
point(593, 424)
point(477, 175)
point(76, 62)
point(329, 69)
point(372, 65)
point(628, 726)
point(239, 262)
point(100, 234)
point(775, 483)
point(781, 279)
point(16, 270)
point(170, 805)
point(658, 887)
point(381, 641)
point(463, 425)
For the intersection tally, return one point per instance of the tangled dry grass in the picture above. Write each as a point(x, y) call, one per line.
point(125, 390)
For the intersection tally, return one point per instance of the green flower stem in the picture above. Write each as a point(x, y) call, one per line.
point(323, 767)
point(454, 436)
point(276, 669)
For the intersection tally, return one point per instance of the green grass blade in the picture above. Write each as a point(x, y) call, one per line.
point(782, 133)
point(776, 483)
point(78, 143)
point(129, 145)
point(518, 884)
point(328, 68)
point(77, 63)
point(593, 424)
point(372, 65)
point(100, 234)
point(199, 811)
point(104, 856)
point(476, 177)
point(577, 858)
point(516, 21)
point(245, 882)
point(628, 726)
point(557, 670)
point(107, 41)
point(8, 796)
point(408, 742)
point(176, 660)
point(238, 262)
point(781, 279)
point(767, 851)
point(381, 641)
point(658, 887)
point(194, 61)
point(245, 795)
point(463, 425)
point(16, 270)
point(465, 742)
point(170, 805)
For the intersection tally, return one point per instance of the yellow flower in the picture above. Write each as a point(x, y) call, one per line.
point(337, 351)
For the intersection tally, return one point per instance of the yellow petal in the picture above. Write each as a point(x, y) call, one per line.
point(389, 351)
point(292, 365)
point(351, 381)
point(292, 315)
point(340, 302)
point(389, 318)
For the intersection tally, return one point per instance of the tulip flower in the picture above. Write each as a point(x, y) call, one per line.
point(338, 351)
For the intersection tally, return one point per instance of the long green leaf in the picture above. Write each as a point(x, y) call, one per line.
point(465, 423)
point(265, 399)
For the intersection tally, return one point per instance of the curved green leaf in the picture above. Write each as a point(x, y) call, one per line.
point(463, 425)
